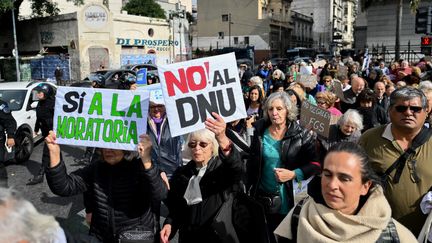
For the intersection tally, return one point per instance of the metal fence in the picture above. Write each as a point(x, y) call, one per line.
point(411, 53)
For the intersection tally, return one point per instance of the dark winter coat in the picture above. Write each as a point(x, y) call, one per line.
point(167, 152)
point(194, 221)
point(45, 116)
point(298, 150)
point(121, 194)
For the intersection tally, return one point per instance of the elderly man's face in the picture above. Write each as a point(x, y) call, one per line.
point(408, 115)
point(379, 89)
point(358, 85)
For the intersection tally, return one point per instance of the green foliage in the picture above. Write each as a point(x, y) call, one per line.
point(39, 8)
point(148, 8)
point(365, 4)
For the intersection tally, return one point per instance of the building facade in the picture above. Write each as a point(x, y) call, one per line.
point(332, 20)
point(301, 36)
point(376, 28)
point(92, 37)
point(263, 24)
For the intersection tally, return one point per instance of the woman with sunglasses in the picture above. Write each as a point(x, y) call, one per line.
point(197, 188)
point(281, 151)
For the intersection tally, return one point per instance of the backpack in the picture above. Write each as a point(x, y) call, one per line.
point(389, 234)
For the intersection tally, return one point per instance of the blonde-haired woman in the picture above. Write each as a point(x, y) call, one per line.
point(326, 100)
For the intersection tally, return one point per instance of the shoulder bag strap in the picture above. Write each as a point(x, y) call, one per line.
point(295, 217)
point(419, 140)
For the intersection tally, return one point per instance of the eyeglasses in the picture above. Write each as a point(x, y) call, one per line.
point(319, 102)
point(403, 108)
point(194, 144)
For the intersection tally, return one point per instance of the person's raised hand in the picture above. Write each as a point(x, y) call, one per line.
point(54, 148)
point(144, 150)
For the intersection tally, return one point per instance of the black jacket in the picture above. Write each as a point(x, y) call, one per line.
point(7, 122)
point(121, 194)
point(298, 150)
point(168, 150)
point(194, 221)
point(45, 116)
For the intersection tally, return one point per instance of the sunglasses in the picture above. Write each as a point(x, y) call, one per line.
point(403, 108)
point(156, 106)
point(195, 144)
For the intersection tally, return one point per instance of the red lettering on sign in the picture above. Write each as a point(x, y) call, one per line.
point(187, 80)
point(171, 80)
point(191, 80)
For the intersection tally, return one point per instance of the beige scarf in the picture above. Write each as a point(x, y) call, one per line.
point(318, 223)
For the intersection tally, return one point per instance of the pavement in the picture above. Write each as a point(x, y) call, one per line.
point(69, 211)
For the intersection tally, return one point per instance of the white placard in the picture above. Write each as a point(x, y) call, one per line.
point(194, 89)
point(104, 118)
point(156, 95)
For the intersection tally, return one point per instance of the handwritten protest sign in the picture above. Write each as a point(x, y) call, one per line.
point(102, 118)
point(309, 81)
point(194, 89)
point(317, 118)
point(156, 95)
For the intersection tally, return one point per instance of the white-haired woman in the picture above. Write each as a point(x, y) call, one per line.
point(21, 222)
point(281, 151)
point(348, 129)
point(197, 188)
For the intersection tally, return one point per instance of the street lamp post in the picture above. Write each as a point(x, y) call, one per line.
point(18, 76)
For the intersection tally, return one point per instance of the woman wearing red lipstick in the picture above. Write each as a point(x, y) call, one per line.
point(351, 206)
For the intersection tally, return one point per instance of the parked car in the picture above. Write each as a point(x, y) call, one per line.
point(111, 77)
point(22, 100)
point(152, 70)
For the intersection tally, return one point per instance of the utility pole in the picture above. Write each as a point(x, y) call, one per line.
point(398, 29)
point(18, 74)
point(229, 29)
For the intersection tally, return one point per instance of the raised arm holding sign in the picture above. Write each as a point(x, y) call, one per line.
point(194, 89)
point(100, 118)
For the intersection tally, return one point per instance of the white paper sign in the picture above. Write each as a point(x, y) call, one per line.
point(104, 118)
point(194, 89)
point(156, 95)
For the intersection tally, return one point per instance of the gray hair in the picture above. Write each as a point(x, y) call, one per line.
point(206, 135)
point(408, 93)
point(353, 116)
point(19, 220)
point(291, 108)
point(425, 85)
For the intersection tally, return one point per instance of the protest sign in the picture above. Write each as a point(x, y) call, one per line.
point(319, 63)
point(100, 118)
point(156, 95)
point(194, 89)
point(142, 76)
point(305, 70)
point(309, 81)
point(317, 118)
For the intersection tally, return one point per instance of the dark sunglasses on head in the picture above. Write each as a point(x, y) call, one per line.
point(194, 144)
point(403, 108)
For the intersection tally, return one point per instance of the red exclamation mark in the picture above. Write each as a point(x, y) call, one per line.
point(207, 67)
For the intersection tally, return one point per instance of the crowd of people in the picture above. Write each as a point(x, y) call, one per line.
point(365, 182)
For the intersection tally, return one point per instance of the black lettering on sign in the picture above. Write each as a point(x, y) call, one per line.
point(231, 102)
point(206, 106)
point(180, 103)
point(69, 99)
point(228, 80)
